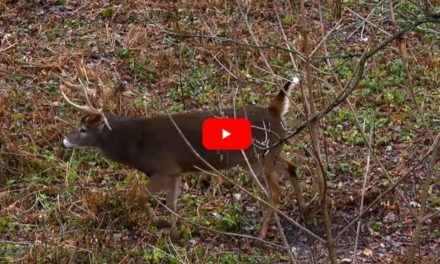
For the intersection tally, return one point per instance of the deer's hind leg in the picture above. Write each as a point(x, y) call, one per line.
point(275, 196)
point(290, 167)
point(168, 182)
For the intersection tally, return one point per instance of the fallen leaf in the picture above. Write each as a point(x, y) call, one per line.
point(367, 252)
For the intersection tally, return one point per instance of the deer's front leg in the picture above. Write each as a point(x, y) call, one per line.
point(156, 184)
point(172, 195)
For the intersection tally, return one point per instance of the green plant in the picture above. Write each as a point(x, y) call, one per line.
point(142, 69)
point(436, 233)
point(153, 255)
point(230, 258)
point(376, 226)
point(344, 167)
point(356, 138)
point(185, 51)
point(123, 52)
point(288, 19)
point(74, 23)
point(105, 12)
point(6, 224)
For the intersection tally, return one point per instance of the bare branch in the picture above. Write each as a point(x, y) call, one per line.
point(423, 203)
point(309, 109)
point(361, 207)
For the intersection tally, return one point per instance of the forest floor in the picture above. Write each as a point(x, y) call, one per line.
point(76, 206)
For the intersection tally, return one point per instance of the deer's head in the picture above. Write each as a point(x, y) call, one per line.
point(87, 134)
point(92, 125)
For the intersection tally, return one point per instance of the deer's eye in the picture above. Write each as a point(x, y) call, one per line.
point(82, 130)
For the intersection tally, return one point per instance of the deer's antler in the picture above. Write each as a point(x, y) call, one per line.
point(88, 108)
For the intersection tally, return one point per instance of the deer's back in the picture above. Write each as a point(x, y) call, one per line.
point(154, 145)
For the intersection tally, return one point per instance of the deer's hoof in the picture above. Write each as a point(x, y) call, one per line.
point(175, 234)
point(161, 223)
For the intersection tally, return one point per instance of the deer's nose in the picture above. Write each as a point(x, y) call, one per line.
point(67, 144)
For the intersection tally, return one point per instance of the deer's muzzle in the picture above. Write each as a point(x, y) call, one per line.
point(67, 144)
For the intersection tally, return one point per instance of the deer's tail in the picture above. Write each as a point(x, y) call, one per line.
point(281, 103)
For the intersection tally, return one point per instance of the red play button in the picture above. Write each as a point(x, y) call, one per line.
point(226, 133)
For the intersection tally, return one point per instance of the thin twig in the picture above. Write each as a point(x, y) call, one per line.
point(361, 207)
point(363, 23)
point(324, 38)
point(369, 22)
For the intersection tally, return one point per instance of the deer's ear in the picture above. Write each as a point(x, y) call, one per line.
point(101, 125)
point(91, 119)
point(85, 119)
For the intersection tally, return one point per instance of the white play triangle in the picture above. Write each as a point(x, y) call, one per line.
point(225, 134)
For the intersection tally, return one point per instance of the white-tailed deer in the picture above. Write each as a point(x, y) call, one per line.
point(154, 146)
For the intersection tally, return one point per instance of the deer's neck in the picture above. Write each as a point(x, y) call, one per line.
point(115, 143)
